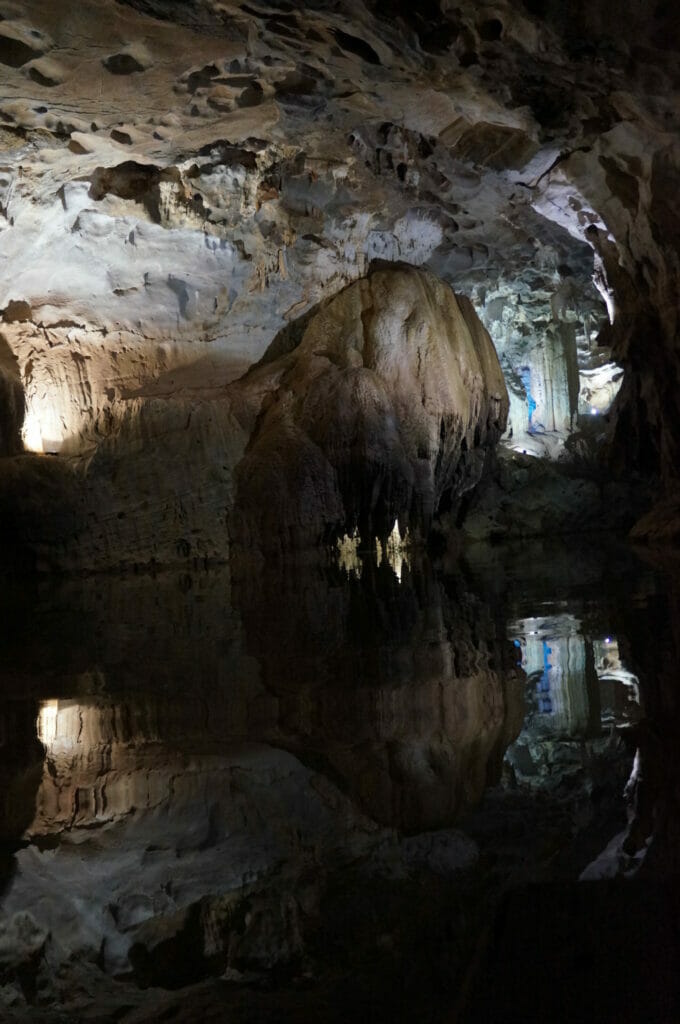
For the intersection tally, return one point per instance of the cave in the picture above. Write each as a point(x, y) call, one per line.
point(339, 506)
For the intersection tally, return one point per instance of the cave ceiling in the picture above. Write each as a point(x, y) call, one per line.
point(181, 180)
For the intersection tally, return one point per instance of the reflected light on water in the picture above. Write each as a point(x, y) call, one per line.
point(348, 554)
point(613, 675)
point(394, 552)
point(559, 660)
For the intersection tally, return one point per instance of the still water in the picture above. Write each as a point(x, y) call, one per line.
point(258, 794)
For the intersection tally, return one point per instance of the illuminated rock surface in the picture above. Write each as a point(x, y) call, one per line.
point(385, 410)
point(180, 185)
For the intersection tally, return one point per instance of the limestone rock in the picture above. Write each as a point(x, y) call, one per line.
point(21, 941)
point(532, 497)
point(11, 402)
point(190, 182)
point(383, 411)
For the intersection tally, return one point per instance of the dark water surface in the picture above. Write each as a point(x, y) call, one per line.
point(302, 794)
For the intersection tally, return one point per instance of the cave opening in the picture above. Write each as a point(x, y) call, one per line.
point(339, 510)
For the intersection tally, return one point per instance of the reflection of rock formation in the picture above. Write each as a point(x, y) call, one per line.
point(194, 780)
point(211, 761)
point(578, 692)
point(144, 831)
point(651, 842)
point(579, 683)
point(559, 662)
point(402, 689)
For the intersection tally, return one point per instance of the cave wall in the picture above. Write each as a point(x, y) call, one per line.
point(11, 402)
point(180, 186)
point(381, 406)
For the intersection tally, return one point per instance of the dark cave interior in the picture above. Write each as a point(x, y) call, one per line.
point(339, 503)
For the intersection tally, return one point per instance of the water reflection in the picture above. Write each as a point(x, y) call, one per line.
point(577, 689)
point(186, 758)
point(578, 684)
point(404, 695)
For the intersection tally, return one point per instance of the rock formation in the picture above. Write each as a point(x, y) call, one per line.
point(384, 411)
point(179, 186)
point(273, 278)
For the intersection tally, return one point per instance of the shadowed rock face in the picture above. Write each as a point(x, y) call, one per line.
point(384, 411)
point(11, 402)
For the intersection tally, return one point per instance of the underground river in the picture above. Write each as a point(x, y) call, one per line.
point(419, 791)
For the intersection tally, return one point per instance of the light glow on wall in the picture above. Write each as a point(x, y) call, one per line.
point(59, 725)
point(42, 430)
point(48, 716)
point(31, 434)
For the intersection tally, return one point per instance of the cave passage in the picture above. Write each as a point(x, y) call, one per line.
point(339, 511)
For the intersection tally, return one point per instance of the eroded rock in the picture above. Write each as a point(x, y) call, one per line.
point(180, 221)
point(384, 411)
